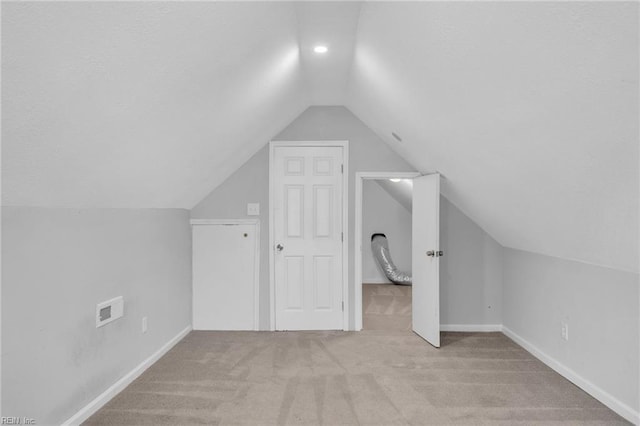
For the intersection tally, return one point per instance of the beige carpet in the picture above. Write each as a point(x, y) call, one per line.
point(347, 378)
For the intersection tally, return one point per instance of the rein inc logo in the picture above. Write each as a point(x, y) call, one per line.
point(17, 421)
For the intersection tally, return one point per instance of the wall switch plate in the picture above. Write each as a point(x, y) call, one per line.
point(109, 311)
point(564, 330)
point(144, 324)
point(253, 209)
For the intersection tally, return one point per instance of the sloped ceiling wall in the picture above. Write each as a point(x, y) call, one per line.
point(401, 191)
point(529, 109)
point(147, 104)
point(153, 104)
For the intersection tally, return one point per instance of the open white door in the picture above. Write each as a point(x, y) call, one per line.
point(426, 258)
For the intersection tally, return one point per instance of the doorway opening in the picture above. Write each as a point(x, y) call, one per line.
point(383, 206)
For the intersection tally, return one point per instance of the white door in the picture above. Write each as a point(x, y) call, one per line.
point(426, 258)
point(307, 197)
point(224, 285)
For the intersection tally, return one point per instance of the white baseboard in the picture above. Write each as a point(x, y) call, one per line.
point(471, 327)
point(598, 393)
point(88, 410)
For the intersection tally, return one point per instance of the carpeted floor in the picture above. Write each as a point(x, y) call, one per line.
point(376, 377)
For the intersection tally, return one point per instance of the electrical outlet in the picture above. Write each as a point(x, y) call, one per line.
point(144, 324)
point(564, 331)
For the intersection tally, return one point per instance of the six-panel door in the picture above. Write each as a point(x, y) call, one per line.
point(308, 237)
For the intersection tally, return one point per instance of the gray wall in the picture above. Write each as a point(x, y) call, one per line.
point(367, 152)
point(600, 306)
point(57, 265)
point(470, 270)
point(382, 213)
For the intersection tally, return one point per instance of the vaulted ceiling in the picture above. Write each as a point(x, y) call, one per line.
point(528, 109)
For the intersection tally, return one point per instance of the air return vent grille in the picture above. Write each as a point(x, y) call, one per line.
point(109, 310)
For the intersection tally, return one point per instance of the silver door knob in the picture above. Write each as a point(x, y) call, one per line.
point(431, 253)
point(279, 247)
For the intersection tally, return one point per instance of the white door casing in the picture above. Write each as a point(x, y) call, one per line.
point(225, 274)
point(307, 207)
point(426, 258)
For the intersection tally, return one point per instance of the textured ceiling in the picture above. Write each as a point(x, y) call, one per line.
point(529, 109)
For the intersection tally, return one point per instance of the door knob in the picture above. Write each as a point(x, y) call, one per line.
point(431, 253)
point(279, 247)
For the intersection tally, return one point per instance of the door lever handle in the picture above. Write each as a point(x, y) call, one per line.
point(431, 253)
point(439, 253)
point(279, 247)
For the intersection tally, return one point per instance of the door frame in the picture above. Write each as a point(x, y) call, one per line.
point(357, 241)
point(256, 261)
point(344, 144)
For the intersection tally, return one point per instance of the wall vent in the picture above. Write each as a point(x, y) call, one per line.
point(109, 310)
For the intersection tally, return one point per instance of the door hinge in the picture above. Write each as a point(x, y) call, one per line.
point(342, 237)
point(341, 168)
point(342, 306)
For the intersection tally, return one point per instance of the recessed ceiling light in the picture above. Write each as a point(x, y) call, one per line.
point(395, 180)
point(321, 49)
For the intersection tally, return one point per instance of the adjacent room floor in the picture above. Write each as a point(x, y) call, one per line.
point(386, 307)
point(378, 377)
